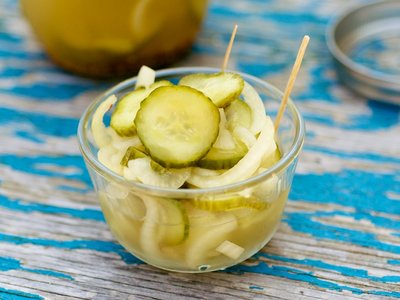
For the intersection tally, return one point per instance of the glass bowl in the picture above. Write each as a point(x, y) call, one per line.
point(207, 229)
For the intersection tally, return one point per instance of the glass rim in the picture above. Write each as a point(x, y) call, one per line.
point(281, 165)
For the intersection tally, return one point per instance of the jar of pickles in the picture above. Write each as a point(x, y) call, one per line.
point(102, 38)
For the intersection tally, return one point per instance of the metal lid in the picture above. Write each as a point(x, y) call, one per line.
point(365, 43)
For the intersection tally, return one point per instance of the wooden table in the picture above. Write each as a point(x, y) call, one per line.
point(340, 237)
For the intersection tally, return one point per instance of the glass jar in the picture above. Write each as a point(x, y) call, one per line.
point(102, 38)
point(199, 221)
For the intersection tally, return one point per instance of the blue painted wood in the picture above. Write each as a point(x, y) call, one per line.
point(340, 236)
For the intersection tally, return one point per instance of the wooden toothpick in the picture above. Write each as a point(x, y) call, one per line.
point(229, 48)
point(292, 78)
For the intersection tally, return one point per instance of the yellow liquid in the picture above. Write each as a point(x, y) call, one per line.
point(246, 227)
point(102, 38)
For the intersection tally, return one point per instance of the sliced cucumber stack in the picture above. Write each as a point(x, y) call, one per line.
point(177, 125)
point(172, 133)
point(210, 130)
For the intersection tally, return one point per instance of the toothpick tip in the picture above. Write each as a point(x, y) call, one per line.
point(292, 78)
point(229, 48)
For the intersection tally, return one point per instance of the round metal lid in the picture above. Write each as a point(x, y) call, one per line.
point(365, 44)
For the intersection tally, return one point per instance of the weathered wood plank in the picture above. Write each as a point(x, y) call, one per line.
point(340, 235)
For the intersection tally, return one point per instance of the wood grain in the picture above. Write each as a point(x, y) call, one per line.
point(339, 238)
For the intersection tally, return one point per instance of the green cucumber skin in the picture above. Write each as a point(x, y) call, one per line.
point(161, 142)
point(176, 204)
point(173, 223)
point(217, 159)
point(218, 205)
point(212, 85)
point(124, 127)
point(122, 119)
point(220, 159)
point(131, 153)
point(238, 113)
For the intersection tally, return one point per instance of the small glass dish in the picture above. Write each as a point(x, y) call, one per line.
point(134, 211)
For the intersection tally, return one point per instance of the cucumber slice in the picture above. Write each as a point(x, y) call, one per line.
point(247, 166)
point(238, 113)
point(100, 136)
point(221, 87)
point(175, 222)
point(124, 217)
point(145, 78)
point(177, 125)
point(149, 173)
point(217, 159)
point(131, 153)
point(230, 203)
point(225, 152)
point(253, 99)
point(122, 119)
point(149, 234)
point(166, 222)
